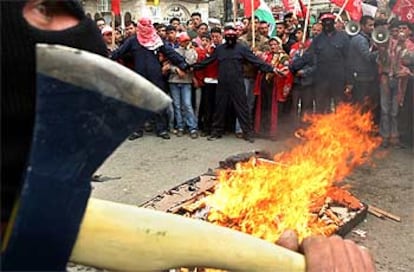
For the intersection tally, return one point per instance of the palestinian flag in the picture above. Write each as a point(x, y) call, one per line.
point(260, 10)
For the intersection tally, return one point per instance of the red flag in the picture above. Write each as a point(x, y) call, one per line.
point(405, 10)
point(354, 8)
point(247, 5)
point(290, 7)
point(303, 10)
point(116, 6)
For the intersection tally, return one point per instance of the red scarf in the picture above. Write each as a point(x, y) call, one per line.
point(147, 35)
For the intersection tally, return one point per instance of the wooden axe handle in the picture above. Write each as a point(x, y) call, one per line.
point(127, 238)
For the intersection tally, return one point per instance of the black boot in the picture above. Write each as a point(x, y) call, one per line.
point(248, 137)
point(213, 137)
point(135, 135)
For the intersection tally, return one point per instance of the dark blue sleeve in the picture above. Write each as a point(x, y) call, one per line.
point(202, 64)
point(174, 57)
point(124, 49)
point(309, 68)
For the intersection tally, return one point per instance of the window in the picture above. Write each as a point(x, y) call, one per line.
point(103, 5)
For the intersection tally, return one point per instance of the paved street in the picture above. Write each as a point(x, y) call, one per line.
point(141, 169)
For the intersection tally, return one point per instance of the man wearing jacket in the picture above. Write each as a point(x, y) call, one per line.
point(362, 74)
point(329, 50)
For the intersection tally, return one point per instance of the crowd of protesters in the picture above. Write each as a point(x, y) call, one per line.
point(248, 76)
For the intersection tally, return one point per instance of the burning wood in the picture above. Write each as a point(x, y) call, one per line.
point(263, 197)
point(334, 214)
point(297, 189)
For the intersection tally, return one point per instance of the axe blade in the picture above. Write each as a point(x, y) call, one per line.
point(93, 72)
point(86, 106)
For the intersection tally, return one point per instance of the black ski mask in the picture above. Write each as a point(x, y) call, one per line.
point(328, 25)
point(230, 36)
point(19, 83)
point(230, 39)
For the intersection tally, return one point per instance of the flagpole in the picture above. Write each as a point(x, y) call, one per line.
point(341, 10)
point(113, 29)
point(235, 11)
point(305, 29)
point(253, 25)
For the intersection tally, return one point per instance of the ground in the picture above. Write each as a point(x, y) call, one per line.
point(139, 170)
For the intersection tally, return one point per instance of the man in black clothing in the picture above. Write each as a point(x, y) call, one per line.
point(230, 56)
point(329, 50)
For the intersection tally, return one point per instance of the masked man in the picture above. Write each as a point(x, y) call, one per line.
point(230, 56)
point(329, 50)
point(146, 48)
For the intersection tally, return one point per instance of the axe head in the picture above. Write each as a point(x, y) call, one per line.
point(86, 106)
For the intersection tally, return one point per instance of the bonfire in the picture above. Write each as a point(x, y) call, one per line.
point(264, 198)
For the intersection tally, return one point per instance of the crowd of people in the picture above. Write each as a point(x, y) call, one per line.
point(313, 70)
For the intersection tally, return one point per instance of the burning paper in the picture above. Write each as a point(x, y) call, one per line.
point(264, 199)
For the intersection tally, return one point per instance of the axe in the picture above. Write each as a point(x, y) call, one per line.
point(86, 106)
point(122, 237)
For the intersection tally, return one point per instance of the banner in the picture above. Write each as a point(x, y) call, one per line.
point(369, 10)
point(405, 10)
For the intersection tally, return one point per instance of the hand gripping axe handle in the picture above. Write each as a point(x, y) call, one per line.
point(122, 237)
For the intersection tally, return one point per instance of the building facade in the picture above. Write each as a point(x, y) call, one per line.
point(160, 11)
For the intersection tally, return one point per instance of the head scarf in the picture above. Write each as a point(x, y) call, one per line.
point(147, 35)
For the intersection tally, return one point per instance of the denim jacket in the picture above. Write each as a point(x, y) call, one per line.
point(361, 60)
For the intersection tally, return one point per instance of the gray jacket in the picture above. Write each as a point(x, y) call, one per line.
point(190, 56)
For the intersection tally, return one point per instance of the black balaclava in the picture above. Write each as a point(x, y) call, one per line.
point(328, 25)
point(18, 85)
point(230, 39)
point(230, 36)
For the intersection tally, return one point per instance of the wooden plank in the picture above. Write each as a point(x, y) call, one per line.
point(385, 213)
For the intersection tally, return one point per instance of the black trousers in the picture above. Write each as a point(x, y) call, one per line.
point(367, 94)
point(234, 93)
point(306, 95)
point(325, 91)
point(160, 122)
point(207, 105)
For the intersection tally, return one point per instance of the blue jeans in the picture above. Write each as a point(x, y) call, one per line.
point(389, 109)
point(181, 95)
point(249, 85)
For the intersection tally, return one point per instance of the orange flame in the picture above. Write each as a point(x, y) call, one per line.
point(264, 199)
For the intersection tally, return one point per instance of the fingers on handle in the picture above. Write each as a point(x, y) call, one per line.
point(355, 256)
point(289, 240)
point(335, 254)
point(318, 254)
point(340, 253)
